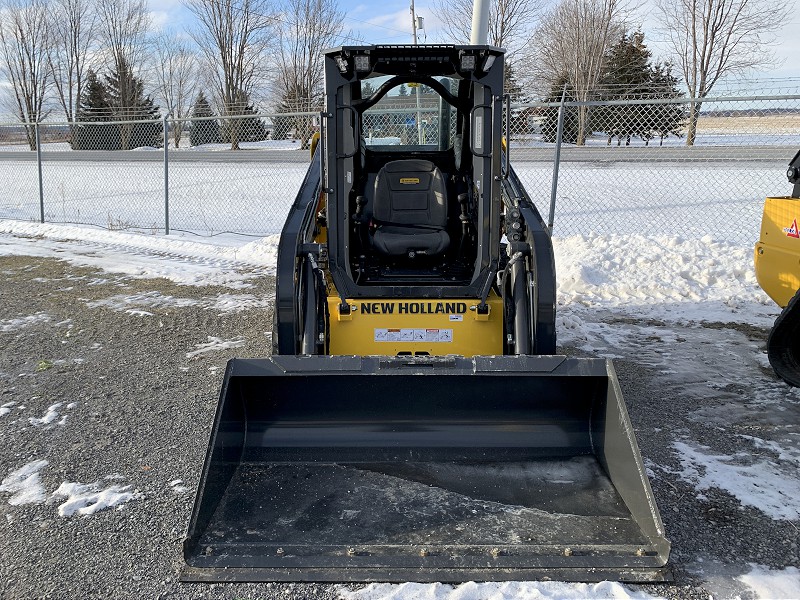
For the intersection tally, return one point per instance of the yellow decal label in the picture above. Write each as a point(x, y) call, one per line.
point(414, 335)
point(409, 180)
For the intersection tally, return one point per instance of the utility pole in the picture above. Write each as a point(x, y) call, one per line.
point(480, 22)
point(416, 89)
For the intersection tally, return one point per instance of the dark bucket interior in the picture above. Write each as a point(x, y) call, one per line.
point(342, 468)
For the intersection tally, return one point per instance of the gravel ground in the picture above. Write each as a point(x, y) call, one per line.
point(143, 413)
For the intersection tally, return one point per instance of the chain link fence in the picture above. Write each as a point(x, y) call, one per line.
point(624, 166)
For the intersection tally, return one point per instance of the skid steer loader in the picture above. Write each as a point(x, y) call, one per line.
point(414, 422)
point(777, 264)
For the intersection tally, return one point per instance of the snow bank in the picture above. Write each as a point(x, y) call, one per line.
point(667, 278)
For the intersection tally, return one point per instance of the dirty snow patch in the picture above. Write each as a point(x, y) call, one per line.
point(25, 484)
point(88, 498)
point(759, 484)
point(215, 344)
point(767, 583)
point(6, 408)
point(239, 302)
point(545, 590)
point(177, 486)
point(7, 325)
point(50, 416)
point(132, 302)
point(184, 259)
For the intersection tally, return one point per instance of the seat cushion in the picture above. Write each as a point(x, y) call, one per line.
point(397, 241)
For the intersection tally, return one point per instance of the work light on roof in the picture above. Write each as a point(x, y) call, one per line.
point(467, 62)
point(361, 62)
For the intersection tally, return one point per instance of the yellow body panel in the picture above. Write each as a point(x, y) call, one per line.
point(388, 327)
point(777, 254)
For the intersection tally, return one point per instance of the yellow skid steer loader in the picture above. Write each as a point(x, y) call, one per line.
point(777, 264)
point(414, 421)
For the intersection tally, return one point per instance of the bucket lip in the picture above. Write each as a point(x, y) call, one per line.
point(349, 573)
point(519, 365)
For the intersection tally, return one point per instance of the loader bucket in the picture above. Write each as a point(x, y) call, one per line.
point(347, 468)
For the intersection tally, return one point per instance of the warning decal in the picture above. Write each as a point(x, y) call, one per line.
point(792, 231)
point(414, 335)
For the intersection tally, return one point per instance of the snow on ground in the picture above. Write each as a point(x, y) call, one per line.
point(546, 590)
point(26, 487)
point(7, 325)
point(135, 303)
point(25, 484)
point(767, 583)
point(214, 344)
point(709, 280)
point(646, 198)
point(761, 484)
point(50, 416)
point(222, 260)
point(88, 498)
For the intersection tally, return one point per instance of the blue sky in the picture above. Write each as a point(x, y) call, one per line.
point(389, 21)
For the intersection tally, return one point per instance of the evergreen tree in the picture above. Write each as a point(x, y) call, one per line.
point(93, 104)
point(93, 108)
point(119, 98)
point(626, 76)
point(244, 128)
point(128, 102)
point(203, 132)
point(629, 75)
point(367, 89)
point(511, 85)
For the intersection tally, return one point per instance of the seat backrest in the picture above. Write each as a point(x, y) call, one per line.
point(410, 192)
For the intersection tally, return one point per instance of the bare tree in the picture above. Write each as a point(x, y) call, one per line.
point(123, 29)
point(307, 28)
point(716, 38)
point(570, 44)
point(176, 73)
point(234, 37)
point(24, 39)
point(73, 33)
point(510, 21)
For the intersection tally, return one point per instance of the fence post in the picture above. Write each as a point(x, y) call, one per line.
point(557, 160)
point(166, 174)
point(39, 165)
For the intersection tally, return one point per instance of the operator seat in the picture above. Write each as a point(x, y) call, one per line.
point(410, 209)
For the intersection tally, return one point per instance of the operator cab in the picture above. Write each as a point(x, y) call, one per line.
point(412, 197)
point(411, 211)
